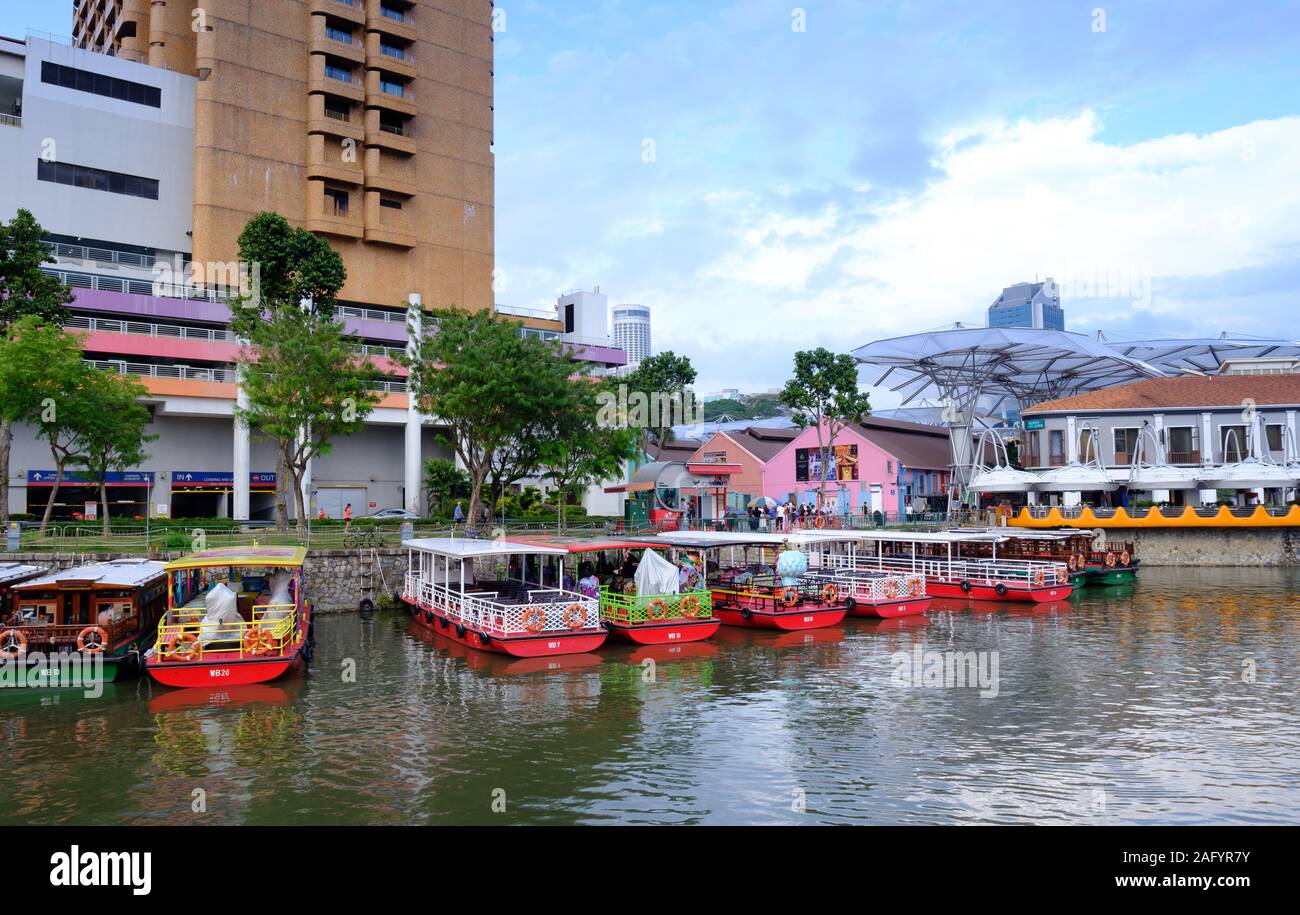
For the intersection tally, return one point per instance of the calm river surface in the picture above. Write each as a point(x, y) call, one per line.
point(1128, 705)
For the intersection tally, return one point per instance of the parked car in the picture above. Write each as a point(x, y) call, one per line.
point(393, 513)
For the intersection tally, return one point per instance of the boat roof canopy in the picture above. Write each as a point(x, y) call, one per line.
point(712, 539)
point(587, 544)
point(120, 573)
point(465, 548)
point(16, 571)
point(289, 557)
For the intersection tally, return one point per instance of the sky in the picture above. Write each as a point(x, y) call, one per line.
point(770, 177)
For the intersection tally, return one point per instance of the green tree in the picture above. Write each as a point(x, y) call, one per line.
point(664, 378)
point(487, 383)
point(303, 383)
point(47, 385)
point(24, 292)
point(824, 394)
point(586, 449)
point(113, 438)
point(443, 483)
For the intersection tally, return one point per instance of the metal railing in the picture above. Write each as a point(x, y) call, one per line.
point(138, 287)
point(101, 255)
point(990, 572)
point(655, 608)
point(149, 370)
point(11, 120)
point(542, 610)
point(184, 636)
point(144, 329)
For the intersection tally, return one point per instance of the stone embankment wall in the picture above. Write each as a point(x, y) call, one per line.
point(1212, 546)
point(333, 577)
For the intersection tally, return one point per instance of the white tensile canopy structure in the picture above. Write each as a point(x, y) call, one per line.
point(1000, 476)
point(967, 366)
point(1204, 355)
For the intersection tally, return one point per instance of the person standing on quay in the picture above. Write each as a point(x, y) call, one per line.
point(347, 517)
point(459, 515)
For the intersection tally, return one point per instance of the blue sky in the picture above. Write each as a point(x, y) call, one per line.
point(890, 167)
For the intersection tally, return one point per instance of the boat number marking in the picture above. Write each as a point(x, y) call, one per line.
point(219, 672)
point(807, 619)
point(674, 635)
point(552, 644)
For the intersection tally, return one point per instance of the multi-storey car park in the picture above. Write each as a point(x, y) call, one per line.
point(146, 142)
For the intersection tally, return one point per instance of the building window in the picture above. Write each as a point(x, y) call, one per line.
point(97, 179)
point(390, 202)
point(392, 50)
point(395, 15)
point(338, 73)
point(395, 125)
point(1125, 442)
point(99, 84)
point(1034, 449)
point(1274, 436)
point(338, 35)
point(392, 88)
point(338, 110)
point(336, 201)
point(1233, 444)
point(1183, 445)
point(1056, 447)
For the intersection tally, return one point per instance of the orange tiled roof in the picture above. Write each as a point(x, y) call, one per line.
point(1183, 391)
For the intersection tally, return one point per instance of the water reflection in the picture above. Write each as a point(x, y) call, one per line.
point(1173, 700)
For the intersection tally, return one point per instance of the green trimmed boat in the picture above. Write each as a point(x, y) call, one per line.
point(1115, 565)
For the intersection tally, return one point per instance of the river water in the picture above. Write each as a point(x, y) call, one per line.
point(1171, 701)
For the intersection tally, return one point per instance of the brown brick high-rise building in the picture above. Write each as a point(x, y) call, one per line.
point(369, 121)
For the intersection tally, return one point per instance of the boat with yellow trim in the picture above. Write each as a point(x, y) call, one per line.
point(234, 616)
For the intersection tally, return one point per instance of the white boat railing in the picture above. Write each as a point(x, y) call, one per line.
point(484, 611)
point(880, 588)
point(1033, 572)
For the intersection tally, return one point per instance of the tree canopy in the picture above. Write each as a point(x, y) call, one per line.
point(824, 394)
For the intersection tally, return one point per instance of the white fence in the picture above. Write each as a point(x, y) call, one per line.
point(483, 611)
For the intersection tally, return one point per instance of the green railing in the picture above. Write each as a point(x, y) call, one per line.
point(655, 608)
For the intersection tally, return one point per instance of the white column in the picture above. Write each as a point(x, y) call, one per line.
point(1208, 496)
point(1071, 443)
point(414, 423)
point(306, 482)
point(239, 509)
point(1071, 499)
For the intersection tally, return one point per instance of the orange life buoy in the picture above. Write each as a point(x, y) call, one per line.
point(92, 647)
point(259, 641)
point(13, 644)
point(830, 593)
point(182, 646)
point(789, 597)
point(690, 606)
point(1039, 578)
point(917, 586)
point(534, 619)
point(891, 588)
point(819, 522)
point(1062, 576)
point(1110, 560)
point(575, 616)
point(657, 609)
point(1125, 558)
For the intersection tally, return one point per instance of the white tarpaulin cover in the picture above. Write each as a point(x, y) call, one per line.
point(279, 596)
point(656, 575)
point(221, 620)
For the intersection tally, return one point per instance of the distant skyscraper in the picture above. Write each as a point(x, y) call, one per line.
point(1029, 305)
point(632, 332)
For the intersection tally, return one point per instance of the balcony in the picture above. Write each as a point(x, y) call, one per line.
point(327, 158)
point(353, 11)
point(385, 19)
point(378, 96)
point(329, 39)
point(326, 216)
point(389, 136)
point(387, 225)
point(382, 55)
point(1185, 457)
point(391, 173)
point(325, 76)
point(322, 120)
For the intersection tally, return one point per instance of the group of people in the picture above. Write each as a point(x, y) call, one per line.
point(785, 516)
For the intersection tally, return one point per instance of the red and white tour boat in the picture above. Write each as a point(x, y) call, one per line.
point(497, 595)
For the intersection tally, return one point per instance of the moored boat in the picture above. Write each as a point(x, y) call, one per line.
point(103, 613)
point(1068, 545)
point(1113, 564)
point(235, 616)
point(493, 595)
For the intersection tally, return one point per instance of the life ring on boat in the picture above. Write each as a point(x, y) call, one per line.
point(789, 596)
point(1110, 560)
point(534, 619)
point(13, 644)
point(916, 587)
point(830, 593)
point(690, 606)
point(1074, 563)
point(183, 646)
point(1125, 558)
point(819, 522)
point(575, 616)
point(259, 641)
point(1039, 578)
point(891, 588)
point(657, 609)
point(965, 585)
point(92, 646)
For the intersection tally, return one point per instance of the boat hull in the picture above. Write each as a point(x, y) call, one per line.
point(123, 666)
point(186, 675)
point(1102, 575)
point(666, 633)
point(1012, 593)
point(785, 620)
point(541, 645)
point(888, 610)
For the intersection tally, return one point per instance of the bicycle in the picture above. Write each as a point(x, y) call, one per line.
point(363, 540)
